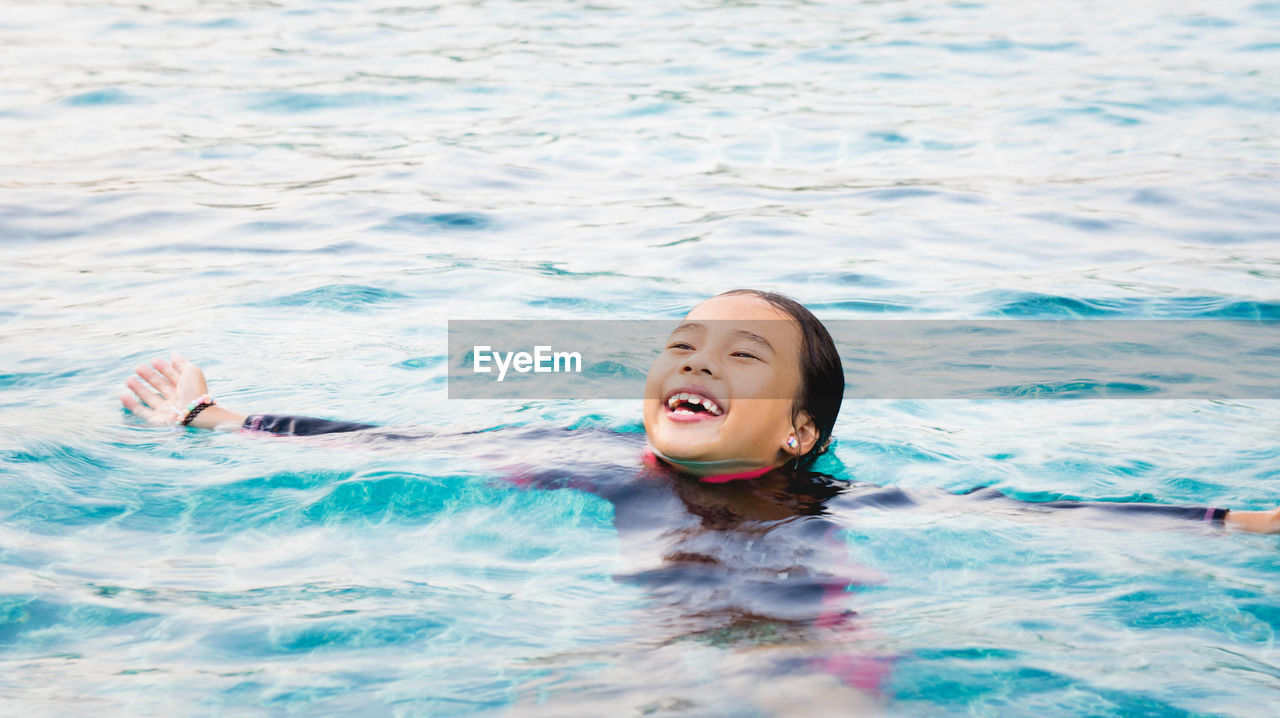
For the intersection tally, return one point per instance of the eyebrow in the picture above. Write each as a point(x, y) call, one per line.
point(749, 336)
point(689, 326)
point(753, 337)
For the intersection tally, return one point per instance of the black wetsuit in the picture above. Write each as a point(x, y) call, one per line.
point(744, 561)
point(882, 497)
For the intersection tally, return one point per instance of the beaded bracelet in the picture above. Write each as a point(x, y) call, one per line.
point(193, 409)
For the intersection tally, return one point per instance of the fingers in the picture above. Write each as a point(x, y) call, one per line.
point(151, 416)
point(149, 398)
point(132, 405)
point(166, 369)
point(161, 383)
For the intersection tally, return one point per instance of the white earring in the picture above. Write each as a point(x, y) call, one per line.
point(792, 443)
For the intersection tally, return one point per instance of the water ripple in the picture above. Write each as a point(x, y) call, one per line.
point(301, 195)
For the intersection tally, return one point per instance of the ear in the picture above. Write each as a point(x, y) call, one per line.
point(806, 433)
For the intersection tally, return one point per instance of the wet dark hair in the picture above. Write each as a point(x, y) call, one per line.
point(821, 373)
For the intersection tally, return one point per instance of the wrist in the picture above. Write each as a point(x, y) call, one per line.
point(217, 417)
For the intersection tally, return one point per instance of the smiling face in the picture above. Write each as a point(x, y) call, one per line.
point(720, 396)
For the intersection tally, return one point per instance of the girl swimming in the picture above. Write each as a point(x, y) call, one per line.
point(723, 523)
point(748, 386)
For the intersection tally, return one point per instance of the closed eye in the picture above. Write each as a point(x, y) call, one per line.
point(748, 355)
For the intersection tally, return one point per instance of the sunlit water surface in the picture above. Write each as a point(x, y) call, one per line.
point(298, 195)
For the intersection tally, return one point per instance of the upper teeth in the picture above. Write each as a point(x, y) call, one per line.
point(702, 401)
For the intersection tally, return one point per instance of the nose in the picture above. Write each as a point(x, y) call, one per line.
point(698, 363)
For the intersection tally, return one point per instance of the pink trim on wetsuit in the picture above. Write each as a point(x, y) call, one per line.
point(740, 476)
point(652, 459)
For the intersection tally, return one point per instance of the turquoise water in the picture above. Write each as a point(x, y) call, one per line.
point(299, 195)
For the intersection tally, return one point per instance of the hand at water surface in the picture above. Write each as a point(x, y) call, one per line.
point(163, 391)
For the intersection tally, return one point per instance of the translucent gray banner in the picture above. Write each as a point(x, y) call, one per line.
point(887, 359)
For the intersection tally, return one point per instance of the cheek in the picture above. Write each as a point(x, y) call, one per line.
point(652, 398)
point(764, 386)
point(757, 388)
point(761, 419)
point(775, 421)
point(658, 371)
point(650, 414)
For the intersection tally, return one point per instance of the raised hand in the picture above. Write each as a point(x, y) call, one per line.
point(162, 391)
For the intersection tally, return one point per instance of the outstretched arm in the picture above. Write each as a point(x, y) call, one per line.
point(1267, 522)
point(162, 392)
point(1126, 513)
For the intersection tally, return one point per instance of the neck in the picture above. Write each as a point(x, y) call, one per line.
point(710, 472)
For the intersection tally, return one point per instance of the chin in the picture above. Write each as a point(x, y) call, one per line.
point(683, 448)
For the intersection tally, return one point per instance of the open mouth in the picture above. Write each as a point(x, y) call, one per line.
point(692, 403)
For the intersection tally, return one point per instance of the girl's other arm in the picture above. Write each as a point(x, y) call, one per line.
point(1266, 522)
point(1252, 521)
